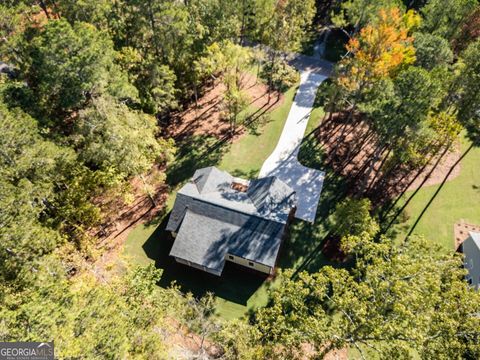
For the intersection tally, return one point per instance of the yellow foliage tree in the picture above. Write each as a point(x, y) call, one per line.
point(380, 49)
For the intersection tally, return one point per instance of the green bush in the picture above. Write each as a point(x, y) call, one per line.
point(280, 75)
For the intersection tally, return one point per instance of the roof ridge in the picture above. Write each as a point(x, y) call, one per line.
point(258, 215)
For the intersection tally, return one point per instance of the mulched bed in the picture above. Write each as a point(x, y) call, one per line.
point(461, 230)
point(350, 149)
point(207, 119)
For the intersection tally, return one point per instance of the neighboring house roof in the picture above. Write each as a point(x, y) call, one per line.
point(471, 250)
point(213, 219)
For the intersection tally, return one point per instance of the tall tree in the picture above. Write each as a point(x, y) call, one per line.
point(88, 318)
point(27, 166)
point(469, 32)
point(358, 13)
point(380, 50)
point(431, 50)
point(445, 17)
point(283, 26)
point(352, 217)
point(67, 66)
point(467, 96)
point(398, 298)
point(110, 135)
point(96, 12)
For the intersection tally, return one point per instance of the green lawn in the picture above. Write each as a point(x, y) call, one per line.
point(236, 290)
point(458, 199)
point(246, 157)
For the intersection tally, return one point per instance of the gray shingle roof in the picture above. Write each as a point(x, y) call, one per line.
point(476, 237)
point(213, 219)
point(271, 196)
point(210, 179)
point(268, 198)
point(205, 239)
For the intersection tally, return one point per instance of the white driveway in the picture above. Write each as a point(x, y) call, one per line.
point(283, 162)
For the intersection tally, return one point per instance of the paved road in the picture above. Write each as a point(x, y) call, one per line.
point(283, 162)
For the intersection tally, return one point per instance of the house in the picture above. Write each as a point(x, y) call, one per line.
point(471, 251)
point(217, 217)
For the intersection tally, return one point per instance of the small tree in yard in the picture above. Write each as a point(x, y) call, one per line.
point(349, 224)
point(352, 217)
point(235, 101)
point(281, 75)
point(229, 61)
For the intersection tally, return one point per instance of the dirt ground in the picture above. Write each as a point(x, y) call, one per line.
point(351, 149)
point(207, 118)
point(441, 170)
point(123, 217)
point(461, 230)
point(187, 345)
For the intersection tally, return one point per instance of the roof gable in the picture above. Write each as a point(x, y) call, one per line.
point(211, 179)
point(271, 195)
point(268, 198)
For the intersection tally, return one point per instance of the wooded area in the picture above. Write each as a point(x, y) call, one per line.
point(89, 94)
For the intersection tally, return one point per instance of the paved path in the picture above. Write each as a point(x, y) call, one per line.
point(283, 162)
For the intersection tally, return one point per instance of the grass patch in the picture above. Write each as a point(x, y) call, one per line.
point(458, 199)
point(246, 156)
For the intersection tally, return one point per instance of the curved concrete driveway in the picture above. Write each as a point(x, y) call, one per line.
point(283, 162)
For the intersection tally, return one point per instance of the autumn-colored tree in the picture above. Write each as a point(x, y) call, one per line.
point(469, 32)
point(380, 49)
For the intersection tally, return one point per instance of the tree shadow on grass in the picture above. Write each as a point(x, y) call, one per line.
point(194, 153)
point(236, 284)
point(302, 247)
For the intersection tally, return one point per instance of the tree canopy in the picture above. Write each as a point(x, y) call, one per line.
point(397, 299)
point(66, 66)
point(88, 103)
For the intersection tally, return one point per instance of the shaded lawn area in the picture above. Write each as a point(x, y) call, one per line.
point(245, 157)
point(238, 290)
point(458, 199)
